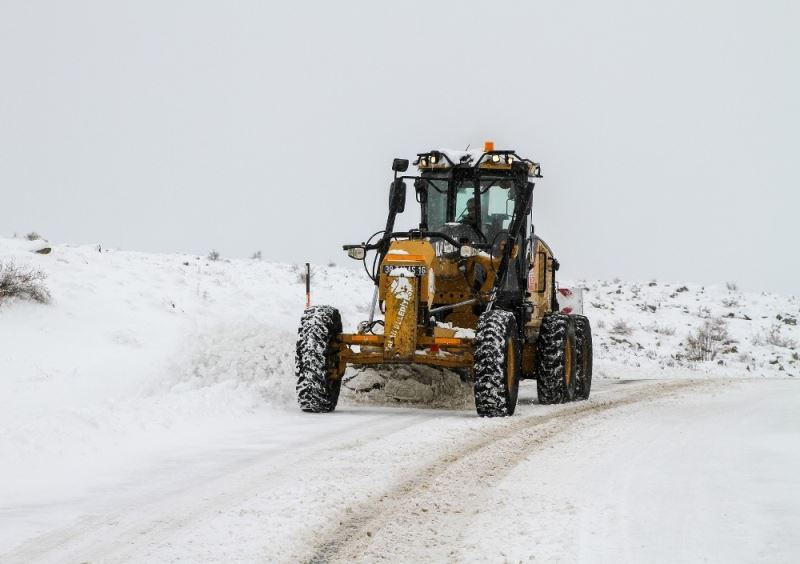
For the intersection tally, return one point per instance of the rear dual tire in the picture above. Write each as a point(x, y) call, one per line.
point(555, 359)
point(583, 348)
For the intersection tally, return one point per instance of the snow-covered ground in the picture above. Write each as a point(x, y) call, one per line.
point(147, 413)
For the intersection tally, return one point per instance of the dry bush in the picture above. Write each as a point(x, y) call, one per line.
point(707, 340)
point(703, 312)
point(730, 302)
point(731, 286)
point(23, 282)
point(774, 336)
point(300, 272)
point(213, 255)
point(621, 327)
point(33, 236)
point(660, 329)
point(256, 255)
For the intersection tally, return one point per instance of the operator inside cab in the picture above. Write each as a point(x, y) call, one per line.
point(491, 224)
point(470, 214)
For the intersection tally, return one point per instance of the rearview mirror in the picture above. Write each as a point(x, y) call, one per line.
point(397, 196)
point(400, 165)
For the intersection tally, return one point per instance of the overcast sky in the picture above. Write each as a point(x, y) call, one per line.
point(667, 131)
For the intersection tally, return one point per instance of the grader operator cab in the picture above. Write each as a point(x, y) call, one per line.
point(472, 289)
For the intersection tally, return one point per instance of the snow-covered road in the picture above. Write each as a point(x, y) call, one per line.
point(148, 414)
point(648, 470)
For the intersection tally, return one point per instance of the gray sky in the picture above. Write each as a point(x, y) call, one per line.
point(666, 130)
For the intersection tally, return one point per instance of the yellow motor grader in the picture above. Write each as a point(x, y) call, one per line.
point(472, 289)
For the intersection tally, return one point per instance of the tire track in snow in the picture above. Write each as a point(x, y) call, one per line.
point(141, 526)
point(422, 517)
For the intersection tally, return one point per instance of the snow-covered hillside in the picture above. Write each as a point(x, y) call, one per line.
point(141, 357)
point(656, 329)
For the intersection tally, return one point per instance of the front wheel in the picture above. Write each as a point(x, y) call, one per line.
point(316, 359)
point(496, 364)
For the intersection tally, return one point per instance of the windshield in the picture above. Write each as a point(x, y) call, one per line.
point(496, 205)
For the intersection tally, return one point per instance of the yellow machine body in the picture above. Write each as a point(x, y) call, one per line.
point(414, 280)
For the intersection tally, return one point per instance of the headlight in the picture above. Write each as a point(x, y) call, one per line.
point(444, 248)
point(467, 251)
point(356, 253)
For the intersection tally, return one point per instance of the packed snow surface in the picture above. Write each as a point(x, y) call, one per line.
point(147, 413)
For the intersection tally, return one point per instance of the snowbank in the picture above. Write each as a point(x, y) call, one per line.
point(139, 354)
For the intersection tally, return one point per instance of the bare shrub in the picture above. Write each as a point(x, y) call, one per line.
point(33, 236)
point(621, 327)
point(601, 324)
point(213, 255)
point(774, 336)
point(731, 286)
point(660, 329)
point(256, 255)
point(22, 282)
point(707, 340)
point(731, 301)
point(300, 271)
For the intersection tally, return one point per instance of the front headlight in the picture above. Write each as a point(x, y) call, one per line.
point(444, 248)
point(356, 253)
point(467, 251)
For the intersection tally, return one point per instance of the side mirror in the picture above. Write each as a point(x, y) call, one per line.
point(397, 196)
point(421, 187)
point(400, 165)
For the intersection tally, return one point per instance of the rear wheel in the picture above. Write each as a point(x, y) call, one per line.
point(583, 348)
point(316, 360)
point(496, 364)
point(555, 359)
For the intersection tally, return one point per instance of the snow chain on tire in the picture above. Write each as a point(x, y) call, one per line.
point(555, 359)
point(496, 364)
point(316, 358)
point(583, 348)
